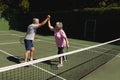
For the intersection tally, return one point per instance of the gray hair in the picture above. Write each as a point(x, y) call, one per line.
point(35, 19)
point(59, 25)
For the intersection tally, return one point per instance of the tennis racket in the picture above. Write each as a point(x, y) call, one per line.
point(21, 40)
point(66, 51)
point(36, 38)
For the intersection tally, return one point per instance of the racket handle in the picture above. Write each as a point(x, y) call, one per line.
point(66, 49)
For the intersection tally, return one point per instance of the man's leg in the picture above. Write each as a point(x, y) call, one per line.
point(26, 55)
point(32, 53)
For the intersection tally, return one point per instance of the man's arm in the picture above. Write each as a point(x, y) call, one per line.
point(45, 21)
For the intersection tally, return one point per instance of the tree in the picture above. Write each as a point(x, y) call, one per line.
point(24, 5)
point(3, 6)
point(14, 6)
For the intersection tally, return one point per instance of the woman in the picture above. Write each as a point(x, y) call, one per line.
point(60, 38)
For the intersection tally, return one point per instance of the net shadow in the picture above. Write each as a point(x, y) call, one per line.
point(92, 64)
point(52, 63)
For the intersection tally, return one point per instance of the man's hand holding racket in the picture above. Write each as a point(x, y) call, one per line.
point(21, 40)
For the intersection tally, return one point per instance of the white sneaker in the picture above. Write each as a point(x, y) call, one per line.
point(64, 60)
point(59, 65)
point(31, 59)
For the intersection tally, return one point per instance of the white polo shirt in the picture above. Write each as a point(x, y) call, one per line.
point(31, 31)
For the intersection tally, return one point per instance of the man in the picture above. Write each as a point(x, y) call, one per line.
point(30, 35)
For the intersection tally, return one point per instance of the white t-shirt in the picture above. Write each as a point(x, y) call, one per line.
point(31, 31)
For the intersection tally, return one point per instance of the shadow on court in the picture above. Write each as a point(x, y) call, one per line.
point(53, 64)
point(88, 66)
point(15, 60)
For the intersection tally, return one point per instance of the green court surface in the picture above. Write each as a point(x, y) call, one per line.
point(77, 65)
point(109, 71)
point(9, 42)
point(4, 24)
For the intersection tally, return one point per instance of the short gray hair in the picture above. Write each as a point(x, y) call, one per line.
point(35, 19)
point(59, 25)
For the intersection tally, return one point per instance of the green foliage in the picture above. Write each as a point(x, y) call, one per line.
point(109, 3)
point(102, 4)
point(4, 25)
point(3, 7)
point(114, 5)
point(24, 5)
point(109, 10)
point(14, 6)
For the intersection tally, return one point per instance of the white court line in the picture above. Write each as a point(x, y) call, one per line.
point(34, 65)
point(11, 34)
point(70, 42)
point(54, 43)
point(4, 31)
point(7, 53)
point(35, 41)
point(9, 43)
point(94, 46)
point(50, 43)
point(98, 52)
point(43, 41)
point(40, 40)
point(49, 72)
point(47, 39)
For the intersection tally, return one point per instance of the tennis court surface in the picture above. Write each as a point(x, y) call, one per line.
point(109, 71)
point(82, 58)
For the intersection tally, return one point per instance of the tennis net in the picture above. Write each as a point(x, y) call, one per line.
point(80, 63)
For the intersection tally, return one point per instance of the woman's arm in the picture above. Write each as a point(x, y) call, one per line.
point(50, 26)
point(67, 43)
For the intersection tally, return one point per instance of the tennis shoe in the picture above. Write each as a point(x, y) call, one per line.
point(31, 59)
point(59, 65)
point(65, 60)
